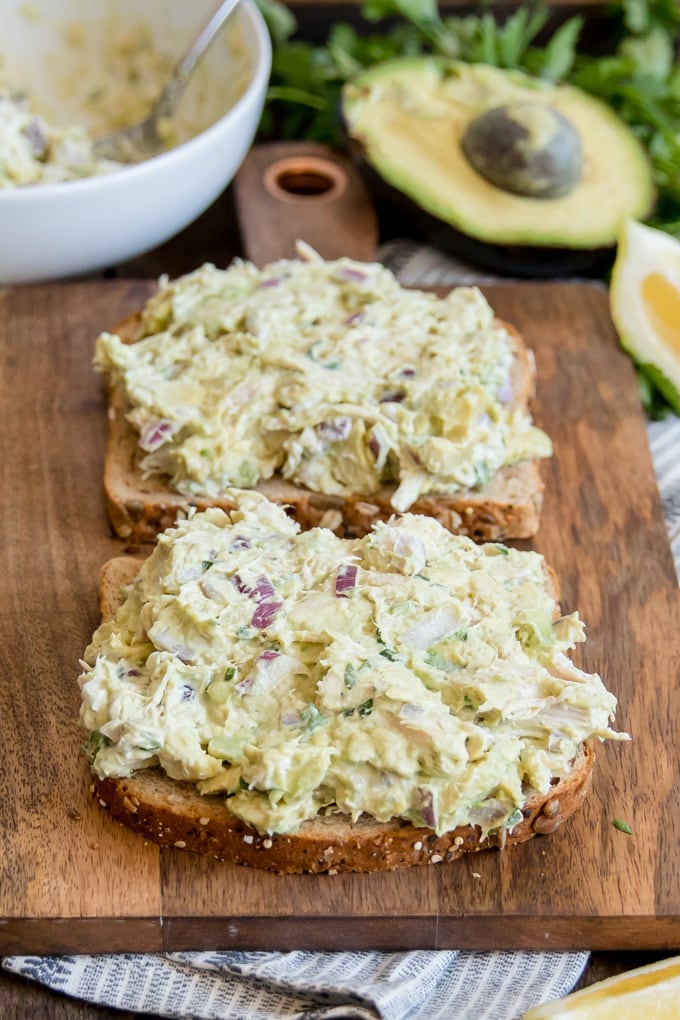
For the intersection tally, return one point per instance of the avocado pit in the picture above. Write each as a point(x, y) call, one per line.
point(525, 148)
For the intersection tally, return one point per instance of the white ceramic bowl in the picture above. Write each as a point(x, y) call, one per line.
point(50, 231)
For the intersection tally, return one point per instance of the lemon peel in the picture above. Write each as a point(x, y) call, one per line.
point(645, 304)
point(651, 992)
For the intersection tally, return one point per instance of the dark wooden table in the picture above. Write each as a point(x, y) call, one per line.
point(214, 237)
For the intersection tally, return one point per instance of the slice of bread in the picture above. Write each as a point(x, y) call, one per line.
point(175, 814)
point(507, 507)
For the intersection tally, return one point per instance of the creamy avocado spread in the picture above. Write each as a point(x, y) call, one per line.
point(409, 673)
point(328, 373)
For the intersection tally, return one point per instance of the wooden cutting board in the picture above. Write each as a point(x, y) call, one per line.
point(74, 881)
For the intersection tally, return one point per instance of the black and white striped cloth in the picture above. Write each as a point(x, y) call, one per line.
point(438, 985)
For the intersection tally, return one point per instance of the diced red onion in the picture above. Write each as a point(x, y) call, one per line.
point(379, 446)
point(427, 809)
point(488, 814)
point(264, 614)
point(335, 428)
point(434, 626)
point(261, 591)
point(392, 397)
point(349, 273)
point(269, 667)
point(264, 589)
point(167, 643)
point(353, 319)
point(188, 692)
point(345, 581)
point(407, 373)
point(190, 574)
point(133, 672)
point(208, 589)
point(240, 585)
point(290, 719)
point(504, 391)
point(410, 712)
point(272, 281)
point(155, 433)
point(37, 136)
point(239, 543)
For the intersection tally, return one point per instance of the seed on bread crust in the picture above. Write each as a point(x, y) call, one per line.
point(329, 843)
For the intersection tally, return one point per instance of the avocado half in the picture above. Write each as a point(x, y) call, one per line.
point(523, 175)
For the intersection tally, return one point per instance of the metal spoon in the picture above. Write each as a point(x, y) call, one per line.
point(139, 141)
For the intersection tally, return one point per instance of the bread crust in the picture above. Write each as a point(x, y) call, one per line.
point(139, 508)
point(174, 814)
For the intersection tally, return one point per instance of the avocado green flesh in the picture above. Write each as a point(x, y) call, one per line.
point(409, 673)
point(409, 116)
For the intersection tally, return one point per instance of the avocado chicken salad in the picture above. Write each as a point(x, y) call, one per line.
point(329, 374)
point(35, 152)
point(407, 674)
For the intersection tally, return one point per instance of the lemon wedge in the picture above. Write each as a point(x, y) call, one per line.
point(648, 993)
point(645, 304)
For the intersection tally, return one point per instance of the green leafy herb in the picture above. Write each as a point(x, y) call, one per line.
point(230, 673)
point(440, 662)
point(350, 676)
point(363, 710)
point(312, 717)
point(94, 744)
point(387, 653)
point(622, 826)
point(657, 392)
point(515, 818)
point(206, 565)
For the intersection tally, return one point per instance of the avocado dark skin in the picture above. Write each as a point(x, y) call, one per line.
point(399, 215)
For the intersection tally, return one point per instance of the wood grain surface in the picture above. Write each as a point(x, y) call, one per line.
point(74, 880)
point(287, 191)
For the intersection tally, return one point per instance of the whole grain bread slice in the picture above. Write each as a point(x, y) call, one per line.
point(508, 507)
point(174, 814)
